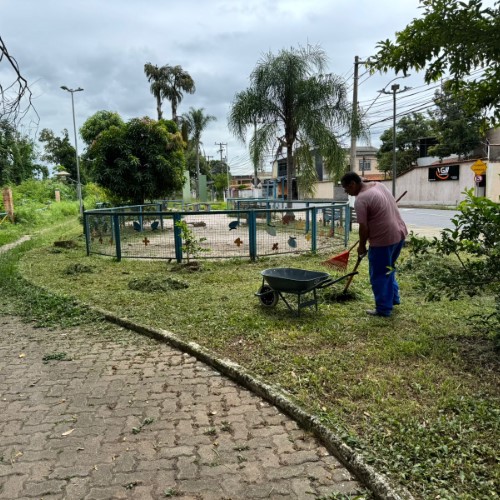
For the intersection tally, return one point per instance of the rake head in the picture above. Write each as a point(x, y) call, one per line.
point(340, 261)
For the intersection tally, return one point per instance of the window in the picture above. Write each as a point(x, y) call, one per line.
point(364, 165)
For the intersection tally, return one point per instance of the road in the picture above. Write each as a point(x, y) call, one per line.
point(427, 222)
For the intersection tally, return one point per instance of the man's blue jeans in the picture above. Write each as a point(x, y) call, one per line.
point(385, 288)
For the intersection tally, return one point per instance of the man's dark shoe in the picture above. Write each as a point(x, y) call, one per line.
point(374, 312)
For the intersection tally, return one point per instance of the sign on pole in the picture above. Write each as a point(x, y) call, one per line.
point(479, 167)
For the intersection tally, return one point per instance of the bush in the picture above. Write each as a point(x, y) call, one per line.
point(36, 191)
point(472, 266)
point(34, 206)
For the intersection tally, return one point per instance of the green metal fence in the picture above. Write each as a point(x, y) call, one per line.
point(150, 231)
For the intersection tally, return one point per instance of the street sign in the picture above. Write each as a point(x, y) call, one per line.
point(478, 178)
point(479, 167)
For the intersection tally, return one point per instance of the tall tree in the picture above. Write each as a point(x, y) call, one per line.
point(179, 81)
point(60, 151)
point(458, 131)
point(409, 130)
point(455, 37)
point(298, 108)
point(157, 77)
point(140, 160)
point(17, 155)
point(196, 121)
point(168, 82)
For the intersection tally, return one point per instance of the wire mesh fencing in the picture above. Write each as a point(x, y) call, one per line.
point(151, 232)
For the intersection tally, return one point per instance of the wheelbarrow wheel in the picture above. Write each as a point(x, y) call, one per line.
point(268, 297)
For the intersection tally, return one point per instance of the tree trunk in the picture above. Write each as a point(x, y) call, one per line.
point(174, 110)
point(289, 172)
point(158, 107)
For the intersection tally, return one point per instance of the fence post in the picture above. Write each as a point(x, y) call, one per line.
point(177, 238)
point(118, 243)
point(314, 231)
point(86, 230)
point(252, 234)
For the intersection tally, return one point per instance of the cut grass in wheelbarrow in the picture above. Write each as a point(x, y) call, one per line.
point(288, 280)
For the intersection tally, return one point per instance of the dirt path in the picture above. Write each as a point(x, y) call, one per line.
point(9, 246)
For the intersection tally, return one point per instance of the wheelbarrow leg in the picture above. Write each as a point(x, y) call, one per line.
point(286, 302)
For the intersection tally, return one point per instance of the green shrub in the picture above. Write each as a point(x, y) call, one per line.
point(466, 259)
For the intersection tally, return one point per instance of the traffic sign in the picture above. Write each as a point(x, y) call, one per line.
point(479, 167)
point(478, 178)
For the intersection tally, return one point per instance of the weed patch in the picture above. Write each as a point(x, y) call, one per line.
point(78, 269)
point(56, 356)
point(153, 284)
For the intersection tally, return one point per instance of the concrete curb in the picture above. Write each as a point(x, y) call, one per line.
point(376, 482)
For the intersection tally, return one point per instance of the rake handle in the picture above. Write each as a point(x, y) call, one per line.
point(358, 262)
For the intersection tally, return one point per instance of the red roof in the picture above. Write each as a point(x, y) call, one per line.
point(375, 177)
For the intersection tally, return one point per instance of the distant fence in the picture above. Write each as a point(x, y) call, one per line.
point(150, 231)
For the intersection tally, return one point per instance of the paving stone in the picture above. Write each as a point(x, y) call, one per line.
point(44, 488)
point(12, 486)
point(129, 417)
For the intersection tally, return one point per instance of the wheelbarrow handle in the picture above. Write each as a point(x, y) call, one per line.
point(330, 281)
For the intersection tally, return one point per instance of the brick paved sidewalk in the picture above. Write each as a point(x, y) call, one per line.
point(117, 415)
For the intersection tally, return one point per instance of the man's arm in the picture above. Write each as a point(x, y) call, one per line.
point(363, 238)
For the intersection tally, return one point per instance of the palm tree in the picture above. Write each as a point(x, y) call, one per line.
point(298, 108)
point(158, 79)
point(168, 82)
point(196, 121)
point(178, 81)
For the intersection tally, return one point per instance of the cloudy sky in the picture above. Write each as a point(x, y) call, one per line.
point(102, 46)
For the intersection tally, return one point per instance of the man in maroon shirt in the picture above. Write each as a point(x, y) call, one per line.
point(380, 225)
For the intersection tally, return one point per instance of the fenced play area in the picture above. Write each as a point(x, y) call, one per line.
point(254, 228)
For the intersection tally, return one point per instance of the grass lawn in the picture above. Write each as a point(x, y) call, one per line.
point(416, 394)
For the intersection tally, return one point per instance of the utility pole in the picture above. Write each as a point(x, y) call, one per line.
point(352, 158)
point(223, 145)
point(394, 89)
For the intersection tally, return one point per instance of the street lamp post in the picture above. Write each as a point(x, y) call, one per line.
point(78, 183)
point(394, 91)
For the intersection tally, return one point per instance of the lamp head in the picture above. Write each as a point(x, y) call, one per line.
point(79, 89)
